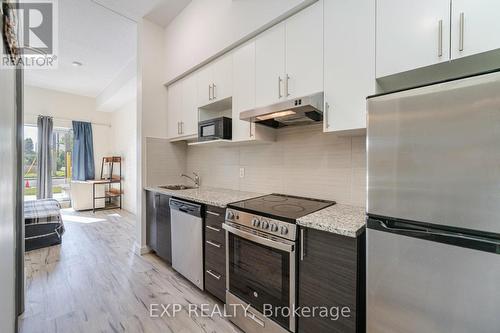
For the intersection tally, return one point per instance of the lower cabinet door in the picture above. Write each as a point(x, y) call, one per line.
point(215, 282)
point(330, 275)
point(164, 234)
point(215, 253)
point(151, 230)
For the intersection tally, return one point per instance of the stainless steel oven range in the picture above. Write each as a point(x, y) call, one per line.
point(261, 260)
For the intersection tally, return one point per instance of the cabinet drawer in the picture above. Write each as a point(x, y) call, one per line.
point(215, 282)
point(215, 234)
point(215, 255)
point(215, 216)
point(216, 211)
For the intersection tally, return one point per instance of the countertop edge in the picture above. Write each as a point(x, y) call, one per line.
point(340, 219)
point(180, 195)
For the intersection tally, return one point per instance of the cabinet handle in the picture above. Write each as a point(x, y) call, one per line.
point(440, 38)
point(214, 275)
point(212, 228)
point(302, 245)
point(251, 134)
point(214, 95)
point(461, 39)
point(213, 244)
point(212, 213)
point(327, 108)
point(279, 86)
point(286, 85)
point(178, 128)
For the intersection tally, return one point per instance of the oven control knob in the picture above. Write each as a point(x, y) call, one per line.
point(230, 215)
point(265, 224)
point(274, 227)
point(255, 222)
point(284, 230)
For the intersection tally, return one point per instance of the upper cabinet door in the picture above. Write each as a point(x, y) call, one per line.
point(349, 63)
point(205, 80)
point(411, 34)
point(270, 65)
point(475, 26)
point(174, 109)
point(243, 89)
point(304, 52)
point(223, 77)
point(189, 117)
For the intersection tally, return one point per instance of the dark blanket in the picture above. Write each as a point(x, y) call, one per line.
point(43, 223)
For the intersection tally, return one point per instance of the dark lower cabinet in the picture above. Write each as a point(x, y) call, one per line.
point(152, 199)
point(215, 252)
point(158, 225)
point(332, 275)
point(164, 229)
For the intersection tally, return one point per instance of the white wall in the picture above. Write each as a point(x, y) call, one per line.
point(124, 144)
point(207, 27)
point(7, 203)
point(65, 107)
point(151, 110)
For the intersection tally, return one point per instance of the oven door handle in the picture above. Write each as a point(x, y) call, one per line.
point(259, 240)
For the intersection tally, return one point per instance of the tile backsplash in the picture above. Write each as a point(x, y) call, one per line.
point(303, 161)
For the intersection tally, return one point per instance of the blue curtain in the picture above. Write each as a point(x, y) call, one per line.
point(83, 151)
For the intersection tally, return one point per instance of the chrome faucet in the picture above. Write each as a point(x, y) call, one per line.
point(195, 180)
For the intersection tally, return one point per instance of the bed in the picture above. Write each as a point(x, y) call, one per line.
point(43, 224)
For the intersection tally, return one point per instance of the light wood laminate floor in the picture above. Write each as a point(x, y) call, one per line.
point(95, 282)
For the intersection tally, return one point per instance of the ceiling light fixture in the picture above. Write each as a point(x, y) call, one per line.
point(76, 63)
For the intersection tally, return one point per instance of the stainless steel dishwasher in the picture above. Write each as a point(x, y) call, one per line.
point(187, 240)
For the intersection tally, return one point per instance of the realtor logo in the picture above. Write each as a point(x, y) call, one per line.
point(33, 34)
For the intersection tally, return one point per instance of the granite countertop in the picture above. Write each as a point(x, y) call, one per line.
point(207, 195)
point(338, 219)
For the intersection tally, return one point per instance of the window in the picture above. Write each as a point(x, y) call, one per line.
point(62, 147)
point(30, 162)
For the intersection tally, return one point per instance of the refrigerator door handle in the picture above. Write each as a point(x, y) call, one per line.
point(442, 233)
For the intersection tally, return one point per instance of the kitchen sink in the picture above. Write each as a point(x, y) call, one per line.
point(177, 187)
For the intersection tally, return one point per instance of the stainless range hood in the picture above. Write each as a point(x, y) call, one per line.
point(299, 111)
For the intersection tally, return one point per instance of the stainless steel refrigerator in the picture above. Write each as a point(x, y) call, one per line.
point(433, 235)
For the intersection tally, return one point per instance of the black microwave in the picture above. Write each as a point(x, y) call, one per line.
point(215, 129)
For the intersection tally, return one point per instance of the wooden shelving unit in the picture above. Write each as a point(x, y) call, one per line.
point(111, 193)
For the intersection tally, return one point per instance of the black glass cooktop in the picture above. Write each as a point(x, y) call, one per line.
point(281, 207)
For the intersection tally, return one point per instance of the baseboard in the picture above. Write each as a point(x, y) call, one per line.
point(141, 250)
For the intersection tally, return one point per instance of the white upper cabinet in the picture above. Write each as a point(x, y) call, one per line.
point(475, 27)
point(289, 57)
point(182, 108)
point(304, 52)
point(189, 118)
point(270, 65)
point(223, 77)
point(204, 85)
point(411, 34)
point(174, 109)
point(243, 90)
point(349, 63)
point(215, 81)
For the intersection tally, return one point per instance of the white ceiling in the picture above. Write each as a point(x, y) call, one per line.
point(166, 11)
point(102, 35)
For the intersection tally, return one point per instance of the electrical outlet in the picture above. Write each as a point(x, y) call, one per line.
point(242, 172)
